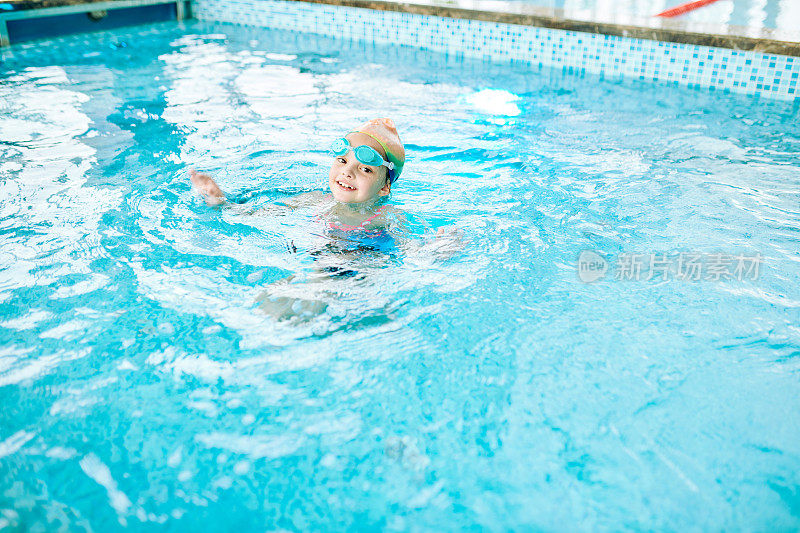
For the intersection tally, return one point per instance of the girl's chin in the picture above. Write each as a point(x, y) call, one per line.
point(346, 197)
point(342, 196)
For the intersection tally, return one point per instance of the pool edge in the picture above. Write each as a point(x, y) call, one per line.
point(724, 70)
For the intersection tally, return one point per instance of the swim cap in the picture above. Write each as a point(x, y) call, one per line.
point(384, 131)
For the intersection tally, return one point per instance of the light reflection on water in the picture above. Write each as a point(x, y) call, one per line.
point(141, 384)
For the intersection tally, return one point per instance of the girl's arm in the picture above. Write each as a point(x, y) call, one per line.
point(214, 196)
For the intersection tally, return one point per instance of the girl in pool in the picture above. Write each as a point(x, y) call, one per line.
point(367, 163)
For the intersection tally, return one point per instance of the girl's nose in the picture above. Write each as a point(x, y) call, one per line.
point(350, 168)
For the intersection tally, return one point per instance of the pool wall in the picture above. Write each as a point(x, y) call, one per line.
point(25, 21)
point(52, 26)
point(696, 66)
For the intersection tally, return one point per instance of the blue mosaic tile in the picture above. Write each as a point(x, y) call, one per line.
point(695, 66)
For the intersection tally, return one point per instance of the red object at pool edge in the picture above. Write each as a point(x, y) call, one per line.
point(685, 8)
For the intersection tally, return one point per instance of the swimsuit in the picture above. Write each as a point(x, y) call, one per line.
point(346, 227)
point(347, 240)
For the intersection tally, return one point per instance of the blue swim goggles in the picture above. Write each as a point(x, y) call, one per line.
point(365, 154)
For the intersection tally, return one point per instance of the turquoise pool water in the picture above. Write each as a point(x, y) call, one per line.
point(484, 388)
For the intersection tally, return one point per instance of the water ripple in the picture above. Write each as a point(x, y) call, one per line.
point(462, 381)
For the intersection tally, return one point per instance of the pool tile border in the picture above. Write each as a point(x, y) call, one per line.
point(765, 40)
point(721, 69)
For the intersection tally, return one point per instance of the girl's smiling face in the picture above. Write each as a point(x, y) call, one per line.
point(351, 181)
